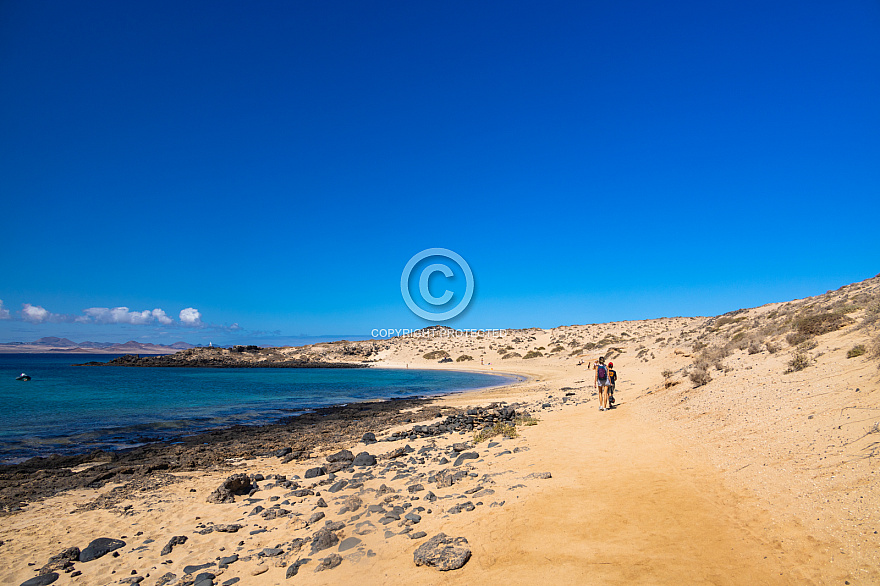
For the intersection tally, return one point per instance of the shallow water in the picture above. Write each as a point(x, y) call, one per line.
point(70, 409)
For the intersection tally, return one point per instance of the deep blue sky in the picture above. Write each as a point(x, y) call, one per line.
point(275, 164)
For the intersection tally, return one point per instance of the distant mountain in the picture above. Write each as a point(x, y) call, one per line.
point(88, 344)
point(57, 342)
point(181, 346)
point(61, 345)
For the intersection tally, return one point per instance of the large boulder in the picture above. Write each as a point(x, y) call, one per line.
point(323, 539)
point(364, 459)
point(443, 553)
point(100, 547)
point(61, 561)
point(341, 456)
point(237, 484)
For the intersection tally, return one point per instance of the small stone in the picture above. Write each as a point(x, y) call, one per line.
point(443, 553)
point(329, 562)
point(260, 569)
point(176, 540)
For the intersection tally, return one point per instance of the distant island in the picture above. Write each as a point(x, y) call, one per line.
point(56, 345)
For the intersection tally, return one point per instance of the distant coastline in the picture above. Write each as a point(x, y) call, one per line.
point(53, 345)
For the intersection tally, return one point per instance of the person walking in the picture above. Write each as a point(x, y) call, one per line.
point(612, 379)
point(602, 383)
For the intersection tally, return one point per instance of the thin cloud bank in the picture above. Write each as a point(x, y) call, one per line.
point(189, 317)
point(122, 315)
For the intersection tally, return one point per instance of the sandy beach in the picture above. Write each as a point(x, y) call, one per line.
point(717, 466)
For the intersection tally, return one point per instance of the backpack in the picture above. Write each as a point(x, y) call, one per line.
point(602, 371)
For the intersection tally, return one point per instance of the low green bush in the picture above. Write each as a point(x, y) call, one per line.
point(856, 351)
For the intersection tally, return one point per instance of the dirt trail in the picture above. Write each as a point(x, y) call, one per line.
point(628, 509)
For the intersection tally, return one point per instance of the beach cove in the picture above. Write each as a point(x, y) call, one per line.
point(728, 482)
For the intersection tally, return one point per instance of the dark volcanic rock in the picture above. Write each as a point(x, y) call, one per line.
point(165, 579)
point(99, 547)
point(237, 484)
point(315, 472)
point(41, 580)
point(341, 456)
point(369, 438)
point(364, 459)
point(195, 568)
point(322, 539)
point(60, 561)
point(293, 568)
point(329, 562)
point(443, 553)
point(176, 540)
point(446, 478)
point(465, 456)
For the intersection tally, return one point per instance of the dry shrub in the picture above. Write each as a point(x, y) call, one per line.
point(464, 358)
point(799, 361)
point(531, 354)
point(856, 351)
point(436, 354)
point(771, 347)
point(700, 377)
point(511, 355)
point(820, 323)
point(754, 347)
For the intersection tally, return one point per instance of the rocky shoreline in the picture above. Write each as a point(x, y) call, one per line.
point(293, 438)
point(169, 360)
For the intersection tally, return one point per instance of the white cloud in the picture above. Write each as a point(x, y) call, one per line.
point(190, 317)
point(34, 313)
point(4, 313)
point(122, 315)
point(161, 317)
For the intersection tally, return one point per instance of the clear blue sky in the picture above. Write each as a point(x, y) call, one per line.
point(275, 164)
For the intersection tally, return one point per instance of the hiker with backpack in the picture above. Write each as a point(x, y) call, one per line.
point(602, 383)
point(612, 378)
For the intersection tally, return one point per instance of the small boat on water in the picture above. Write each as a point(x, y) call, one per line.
point(23, 377)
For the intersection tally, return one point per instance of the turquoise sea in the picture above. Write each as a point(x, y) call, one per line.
point(68, 409)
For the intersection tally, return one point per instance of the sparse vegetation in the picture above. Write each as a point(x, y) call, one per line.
point(856, 351)
point(464, 358)
point(798, 362)
point(505, 429)
point(526, 420)
point(700, 377)
point(511, 355)
point(754, 347)
point(820, 323)
point(532, 354)
point(771, 347)
point(436, 354)
point(557, 349)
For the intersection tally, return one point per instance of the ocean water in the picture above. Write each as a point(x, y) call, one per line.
point(68, 409)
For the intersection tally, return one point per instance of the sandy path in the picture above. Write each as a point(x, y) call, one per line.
point(624, 506)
